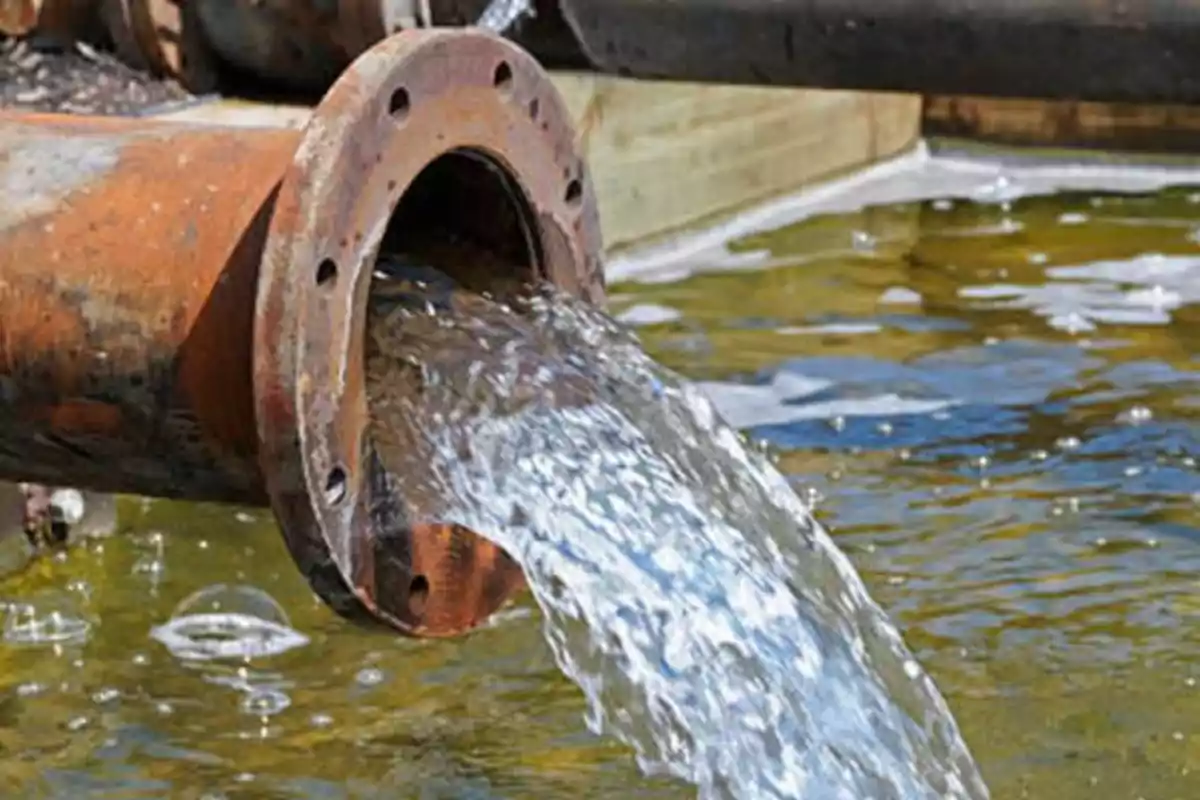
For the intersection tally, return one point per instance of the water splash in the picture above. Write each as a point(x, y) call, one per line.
point(711, 623)
point(49, 618)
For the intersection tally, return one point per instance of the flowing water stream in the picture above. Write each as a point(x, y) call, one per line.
point(710, 621)
point(986, 389)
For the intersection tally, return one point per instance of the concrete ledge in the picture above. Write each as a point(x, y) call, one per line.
point(670, 156)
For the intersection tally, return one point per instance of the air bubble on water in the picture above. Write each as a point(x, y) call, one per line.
point(105, 696)
point(899, 295)
point(164, 708)
point(152, 566)
point(77, 723)
point(48, 619)
point(320, 720)
point(863, 242)
point(999, 189)
point(1138, 415)
point(30, 689)
point(369, 677)
point(1009, 225)
point(228, 622)
point(1037, 258)
point(261, 702)
point(67, 505)
point(1067, 505)
point(1067, 443)
point(245, 517)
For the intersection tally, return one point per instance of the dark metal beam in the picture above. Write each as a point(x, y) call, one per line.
point(1107, 50)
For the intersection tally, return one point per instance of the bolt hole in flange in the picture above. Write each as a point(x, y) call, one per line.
point(418, 595)
point(574, 193)
point(399, 104)
point(327, 272)
point(502, 77)
point(335, 486)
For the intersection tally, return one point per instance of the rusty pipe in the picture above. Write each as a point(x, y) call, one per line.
point(182, 307)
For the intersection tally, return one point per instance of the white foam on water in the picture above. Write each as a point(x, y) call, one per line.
point(777, 403)
point(912, 177)
point(1143, 290)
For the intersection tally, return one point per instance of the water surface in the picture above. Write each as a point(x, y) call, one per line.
point(992, 403)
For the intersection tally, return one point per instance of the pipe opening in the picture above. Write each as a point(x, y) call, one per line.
point(463, 224)
point(464, 214)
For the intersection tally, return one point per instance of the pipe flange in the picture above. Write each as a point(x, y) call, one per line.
point(405, 103)
point(164, 37)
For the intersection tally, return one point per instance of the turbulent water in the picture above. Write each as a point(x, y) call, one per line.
point(710, 621)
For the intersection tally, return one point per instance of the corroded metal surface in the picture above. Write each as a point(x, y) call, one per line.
point(63, 17)
point(128, 262)
point(182, 308)
point(409, 101)
point(18, 17)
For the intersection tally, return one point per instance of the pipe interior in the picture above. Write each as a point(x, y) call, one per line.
point(467, 217)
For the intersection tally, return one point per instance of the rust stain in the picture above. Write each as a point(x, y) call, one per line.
point(127, 277)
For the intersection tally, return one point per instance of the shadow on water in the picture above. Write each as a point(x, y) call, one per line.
point(991, 405)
